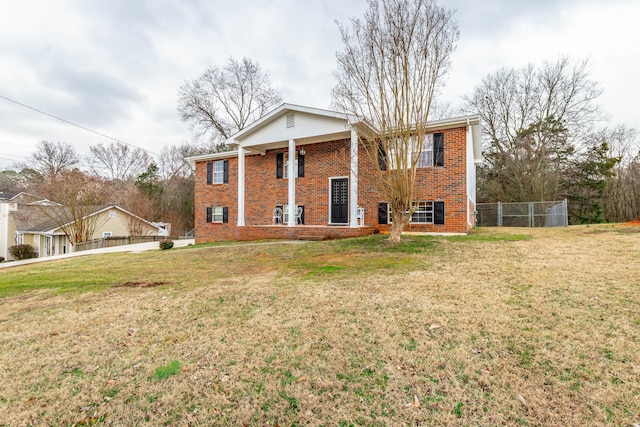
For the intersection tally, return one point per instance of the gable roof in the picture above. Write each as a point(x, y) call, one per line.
point(309, 125)
point(31, 218)
point(283, 110)
point(305, 125)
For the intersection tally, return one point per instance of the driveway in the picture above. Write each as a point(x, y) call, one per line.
point(138, 247)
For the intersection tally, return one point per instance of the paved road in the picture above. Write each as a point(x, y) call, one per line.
point(138, 247)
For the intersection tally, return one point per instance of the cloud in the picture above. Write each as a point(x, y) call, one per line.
point(116, 65)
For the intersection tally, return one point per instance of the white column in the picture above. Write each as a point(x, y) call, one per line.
point(292, 174)
point(353, 181)
point(240, 186)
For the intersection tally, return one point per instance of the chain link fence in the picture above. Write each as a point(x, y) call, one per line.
point(525, 214)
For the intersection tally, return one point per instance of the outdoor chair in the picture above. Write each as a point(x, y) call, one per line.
point(277, 216)
point(299, 215)
point(360, 216)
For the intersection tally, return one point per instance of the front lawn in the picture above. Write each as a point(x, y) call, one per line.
point(502, 327)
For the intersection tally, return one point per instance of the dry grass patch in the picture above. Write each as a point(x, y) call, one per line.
point(485, 330)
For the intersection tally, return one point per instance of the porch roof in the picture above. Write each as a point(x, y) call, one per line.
point(305, 125)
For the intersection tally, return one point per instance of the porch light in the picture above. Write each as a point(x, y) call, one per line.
point(302, 152)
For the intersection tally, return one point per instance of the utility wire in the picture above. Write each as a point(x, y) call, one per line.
point(13, 155)
point(75, 124)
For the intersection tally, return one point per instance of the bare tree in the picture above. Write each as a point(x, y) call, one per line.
point(52, 158)
point(222, 101)
point(173, 160)
point(622, 190)
point(178, 185)
point(388, 73)
point(78, 195)
point(118, 161)
point(535, 120)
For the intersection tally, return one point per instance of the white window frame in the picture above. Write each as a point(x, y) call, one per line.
point(106, 234)
point(218, 172)
point(217, 214)
point(285, 162)
point(425, 209)
point(426, 155)
point(422, 207)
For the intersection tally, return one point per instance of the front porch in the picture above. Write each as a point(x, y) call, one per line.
point(300, 232)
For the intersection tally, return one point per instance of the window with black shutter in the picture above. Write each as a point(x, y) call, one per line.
point(438, 216)
point(209, 173)
point(383, 213)
point(382, 158)
point(438, 149)
point(300, 165)
point(225, 177)
point(217, 214)
point(279, 163)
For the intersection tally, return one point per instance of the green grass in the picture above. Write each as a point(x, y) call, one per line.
point(165, 371)
point(435, 331)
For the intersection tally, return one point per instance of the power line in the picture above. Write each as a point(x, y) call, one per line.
point(76, 125)
point(13, 155)
point(17, 145)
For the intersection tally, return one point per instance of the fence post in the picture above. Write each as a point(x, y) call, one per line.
point(531, 219)
point(499, 214)
point(566, 213)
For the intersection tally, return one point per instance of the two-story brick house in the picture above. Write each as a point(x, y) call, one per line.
point(328, 191)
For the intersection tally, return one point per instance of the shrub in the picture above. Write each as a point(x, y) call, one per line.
point(1, 259)
point(22, 251)
point(166, 244)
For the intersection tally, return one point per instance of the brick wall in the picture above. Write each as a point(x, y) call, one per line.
point(215, 195)
point(263, 191)
point(446, 183)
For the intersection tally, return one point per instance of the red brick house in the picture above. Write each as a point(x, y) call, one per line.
point(255, 192)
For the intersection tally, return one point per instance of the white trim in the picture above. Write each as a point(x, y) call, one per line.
point(212, 156)
point(353, 181)
point(284, 109)
point(241, 177)
point(291, 199)
point(331, 178)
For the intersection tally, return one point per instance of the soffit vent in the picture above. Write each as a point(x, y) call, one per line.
point(290, 120)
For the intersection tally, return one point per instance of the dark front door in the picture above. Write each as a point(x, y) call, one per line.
point(339, 201)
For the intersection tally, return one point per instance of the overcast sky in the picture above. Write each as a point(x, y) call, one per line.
point(115, 66)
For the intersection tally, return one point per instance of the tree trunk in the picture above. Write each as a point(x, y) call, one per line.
point(397, 225)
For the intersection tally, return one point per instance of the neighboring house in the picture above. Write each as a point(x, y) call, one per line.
point(9, 203)
point(31, 223)
point(328, 190)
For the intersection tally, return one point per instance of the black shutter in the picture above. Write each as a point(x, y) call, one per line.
point(225, 177)
point(438, 216)
point(209, 213)
point(382, 158)
point(209, 173)
point(300, 165)
point(279, 162)
point(225, 214)
point(383, 213)
point(438, 149)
